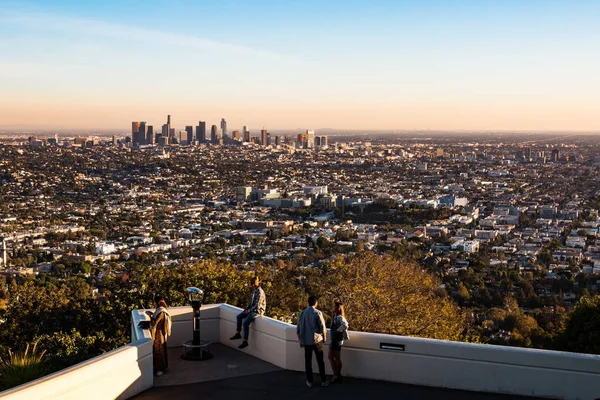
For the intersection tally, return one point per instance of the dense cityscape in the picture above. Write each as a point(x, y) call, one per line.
point(507, 223)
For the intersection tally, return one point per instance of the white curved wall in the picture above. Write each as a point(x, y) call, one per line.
point(119, 374)
point(429, 362)
point(127, 371)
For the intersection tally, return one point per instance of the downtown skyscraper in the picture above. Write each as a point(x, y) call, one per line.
point(246, 134)
point(201, 132)
point(189, 130)
point(223, 130)
point(214, 135)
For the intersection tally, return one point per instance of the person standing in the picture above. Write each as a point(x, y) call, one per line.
point(160, 329)
point(257, 306)
point(312, 334)
point(339, 333)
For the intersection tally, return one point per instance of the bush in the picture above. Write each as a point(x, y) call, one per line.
point(21, 367)
point(66, 349)
point(582, 331)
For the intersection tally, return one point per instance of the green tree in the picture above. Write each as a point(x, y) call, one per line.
point(386, 295)
point(463, 293)
point(582, 331)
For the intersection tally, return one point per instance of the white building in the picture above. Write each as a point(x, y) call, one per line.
point(105, 248)
point(471, 246)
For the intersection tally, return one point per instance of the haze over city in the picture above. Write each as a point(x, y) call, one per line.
point(341, 64)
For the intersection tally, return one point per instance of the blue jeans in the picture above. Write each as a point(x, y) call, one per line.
point(245, 320)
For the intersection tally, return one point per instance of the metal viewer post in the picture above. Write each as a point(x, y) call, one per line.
point(196, 349)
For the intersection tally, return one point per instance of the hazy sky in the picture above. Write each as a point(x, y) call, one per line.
point(468, 65)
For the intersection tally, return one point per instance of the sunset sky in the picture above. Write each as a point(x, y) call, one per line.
point(398, 65)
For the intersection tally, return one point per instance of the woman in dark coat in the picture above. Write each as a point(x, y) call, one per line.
point(160, 329)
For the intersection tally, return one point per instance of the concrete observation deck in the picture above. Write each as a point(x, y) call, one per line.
point(375, 366)
point(231, 374)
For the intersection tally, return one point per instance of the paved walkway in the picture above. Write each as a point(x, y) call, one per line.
point(289, 385)
point(233, 375)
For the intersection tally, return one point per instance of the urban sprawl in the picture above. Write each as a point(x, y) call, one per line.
point(493, 216)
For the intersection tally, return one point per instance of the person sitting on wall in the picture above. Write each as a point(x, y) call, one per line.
point(258, 305)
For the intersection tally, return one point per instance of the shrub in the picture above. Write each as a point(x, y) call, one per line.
point(21, 367)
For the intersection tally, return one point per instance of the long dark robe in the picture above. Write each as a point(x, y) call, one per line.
point(159, 343)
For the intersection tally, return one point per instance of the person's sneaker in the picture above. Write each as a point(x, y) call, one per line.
point(243, 345)
point(325, 384)
point(236, 336)
point(334, 379)
point(159, 373)
point(309, 384)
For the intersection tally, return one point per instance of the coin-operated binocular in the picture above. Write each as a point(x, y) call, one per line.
point(196, 295)
point(196, 349)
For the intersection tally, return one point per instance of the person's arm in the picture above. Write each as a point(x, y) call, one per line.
point(257, 301)
point(298, 326)
point(253, 302)
point(323, 327)
point(156, 318)
point(343, 324)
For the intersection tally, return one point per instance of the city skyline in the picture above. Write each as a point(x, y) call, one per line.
point(521, 66)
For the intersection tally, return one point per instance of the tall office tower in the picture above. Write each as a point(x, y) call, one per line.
point(246, 134)
point(201, 132)
point(324, 141)
point(554, 156)
point(150, 134)
point(302, 140)
point(142, 132)
point(165, 130)
point(135, 132)
point(310, 138)
point(317, 141)
point(214, 135)
point(162, 140)
point(170, 131)
point(114, 140)
point(277, 140)
point(235, 135)
point(527, 153)
point(223, 129)
point(264, 136)
point(190, 134)
point(242, 193)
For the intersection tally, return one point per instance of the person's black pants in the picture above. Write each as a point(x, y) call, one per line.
point(308, 350)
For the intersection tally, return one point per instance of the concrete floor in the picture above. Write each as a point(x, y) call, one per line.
point(226, 363)
point(231, 374)
point(289, 385)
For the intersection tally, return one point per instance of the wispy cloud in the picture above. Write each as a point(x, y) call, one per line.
point(19, 69)
point(97, 28)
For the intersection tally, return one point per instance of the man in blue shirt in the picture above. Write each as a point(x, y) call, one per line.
point(312, 333)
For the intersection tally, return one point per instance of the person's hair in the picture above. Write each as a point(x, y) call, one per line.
point(339, 308)
point(255, 281)
point(312, 300)
point(160, 301)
